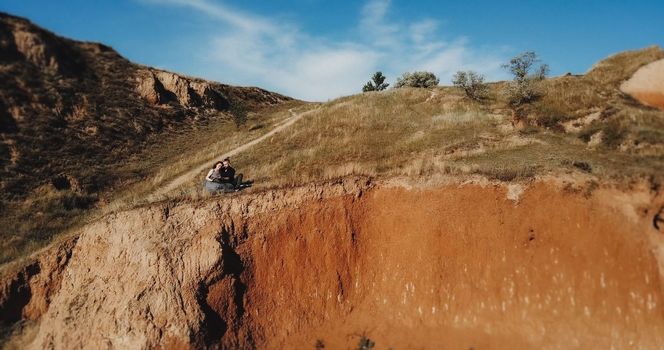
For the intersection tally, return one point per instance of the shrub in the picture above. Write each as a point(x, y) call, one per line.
point(550, 117)
point(525, 86)
point(365, 343)
point(239, 113)
point(551, 121)
point(472, 84)
point(584, 166)
point(614, 134)
point(417, 79)
point(377, 83)
point(509, 173)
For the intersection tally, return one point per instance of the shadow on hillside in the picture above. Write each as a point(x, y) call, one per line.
point(245, 184)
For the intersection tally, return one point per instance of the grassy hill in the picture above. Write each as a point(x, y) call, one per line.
point(78, 122)
point(581, 124)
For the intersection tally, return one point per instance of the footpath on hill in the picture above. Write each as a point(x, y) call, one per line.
point(187, 176)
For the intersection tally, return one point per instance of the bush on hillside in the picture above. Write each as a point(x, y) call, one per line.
point(239, 113)
point(472, 84)
point(525, 88)
point(377, 83)
point(417, 80)
point(366, 343)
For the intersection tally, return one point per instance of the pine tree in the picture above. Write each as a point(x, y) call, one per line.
point(377, 83)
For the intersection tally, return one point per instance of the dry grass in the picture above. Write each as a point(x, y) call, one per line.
point(47, 212)
point(419, 132)
point(30, 224)
point(570, 97)
point(20, 336)
point(395, 132)
point(193, 149)
point(623, 122)
point(556, 153)
point(612, 71)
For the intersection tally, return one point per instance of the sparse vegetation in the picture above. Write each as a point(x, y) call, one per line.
point(472, 84)
point(365, 343)
point(401, 134)
point(377, 83)
point(621, 120)
point(394, 133)
point(417, 80)
point(525, 88)
point(239, 113)
point(583, 166)
point(549, 117)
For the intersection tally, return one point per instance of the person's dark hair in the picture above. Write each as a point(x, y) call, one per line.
point(215, 165)
point(227, 160)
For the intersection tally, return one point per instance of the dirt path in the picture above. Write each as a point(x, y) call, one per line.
point(182, 179)
point(434, 93)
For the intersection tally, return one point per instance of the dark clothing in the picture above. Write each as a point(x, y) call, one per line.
point(227, 175)
point(237, 181)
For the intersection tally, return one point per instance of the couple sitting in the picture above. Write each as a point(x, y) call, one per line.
point(222, 178)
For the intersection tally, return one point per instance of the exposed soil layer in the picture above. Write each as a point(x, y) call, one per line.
point(647, 84)
point(449, 266)
point(654, 99)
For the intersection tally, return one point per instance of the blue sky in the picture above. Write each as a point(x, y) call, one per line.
point(318, 50)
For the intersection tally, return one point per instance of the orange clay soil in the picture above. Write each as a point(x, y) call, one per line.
point(449, 266)
point(654, 99)
point(457, 268)
point(647, 84)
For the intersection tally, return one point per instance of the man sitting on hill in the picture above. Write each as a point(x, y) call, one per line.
point(226, 177)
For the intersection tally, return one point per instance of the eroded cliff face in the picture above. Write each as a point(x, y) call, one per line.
point(160, 87)
point(459, 265)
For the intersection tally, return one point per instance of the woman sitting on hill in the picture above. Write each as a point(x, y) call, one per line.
point(213, 178)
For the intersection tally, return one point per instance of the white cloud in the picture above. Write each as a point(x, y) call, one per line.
point(374, 24)
point(422, 31)
point(254, 50)
point(344, 70)
point(232, 16)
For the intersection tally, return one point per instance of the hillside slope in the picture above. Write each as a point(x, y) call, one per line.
point(582, 124)
point(72, 115)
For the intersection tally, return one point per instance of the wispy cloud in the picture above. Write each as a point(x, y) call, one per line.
point(279, 56)
point(374, 24)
